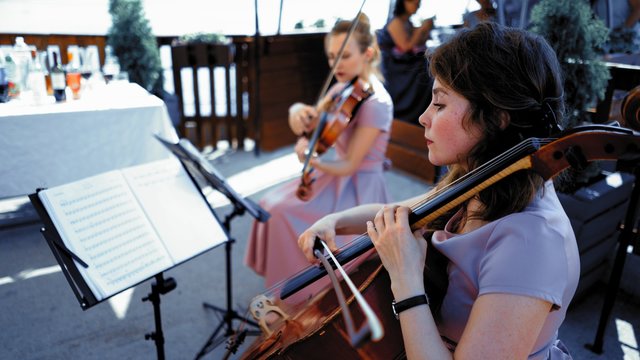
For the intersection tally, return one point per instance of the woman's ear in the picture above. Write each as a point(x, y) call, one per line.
point(369, 53)
point(505, 119)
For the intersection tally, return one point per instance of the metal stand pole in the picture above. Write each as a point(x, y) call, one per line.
point(161, 286)
point(627, 234)
point(228, 314)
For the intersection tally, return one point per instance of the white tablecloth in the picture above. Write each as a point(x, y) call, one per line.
point(56, 143)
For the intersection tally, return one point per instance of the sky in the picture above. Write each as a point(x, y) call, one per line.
point(230, 17)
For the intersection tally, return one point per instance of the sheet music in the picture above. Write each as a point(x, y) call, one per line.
point(100, 220)
point(176, 208)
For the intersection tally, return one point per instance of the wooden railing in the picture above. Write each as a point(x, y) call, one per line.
point(269, 77)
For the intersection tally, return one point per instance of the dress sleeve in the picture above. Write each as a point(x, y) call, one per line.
point(525, 256)
point(376, 112)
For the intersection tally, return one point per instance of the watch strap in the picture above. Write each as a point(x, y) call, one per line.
point(406, 304)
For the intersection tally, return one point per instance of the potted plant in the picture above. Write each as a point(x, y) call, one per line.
point(595, 200)
point(133, 43)
point(576, 35)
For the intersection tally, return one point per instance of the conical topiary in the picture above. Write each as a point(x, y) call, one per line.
point(576, 35)
point(134, 44)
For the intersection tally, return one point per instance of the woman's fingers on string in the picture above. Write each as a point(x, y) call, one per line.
point(305, 243)
point(389, 215)
point(422, 242)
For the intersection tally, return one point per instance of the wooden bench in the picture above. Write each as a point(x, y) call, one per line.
point(408, 150)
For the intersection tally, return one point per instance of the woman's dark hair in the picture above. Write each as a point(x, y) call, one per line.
point(502, 70)
point(399, 8)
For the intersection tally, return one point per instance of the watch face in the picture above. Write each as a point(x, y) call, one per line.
point(393, 307)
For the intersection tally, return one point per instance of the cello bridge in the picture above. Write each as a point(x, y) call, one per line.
point(266, 313)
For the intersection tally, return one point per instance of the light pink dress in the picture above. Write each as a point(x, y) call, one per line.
point(530, 253)
point(272, 250)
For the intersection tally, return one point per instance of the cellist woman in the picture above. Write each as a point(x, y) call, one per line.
point(513, 260)
point(353, 177)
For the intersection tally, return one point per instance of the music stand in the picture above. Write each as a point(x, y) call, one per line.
point(85, 285)
point(192, 159)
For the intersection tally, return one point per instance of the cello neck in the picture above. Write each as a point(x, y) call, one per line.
point(547, 157)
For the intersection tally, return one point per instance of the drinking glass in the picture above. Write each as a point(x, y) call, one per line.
point(74, 83)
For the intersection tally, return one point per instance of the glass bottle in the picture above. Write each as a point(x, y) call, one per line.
point(58, 80)
point(4, 81)
point(35, 80)
point(21, 56)
point(10, 68)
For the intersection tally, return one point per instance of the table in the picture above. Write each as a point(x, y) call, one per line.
point(52, 144)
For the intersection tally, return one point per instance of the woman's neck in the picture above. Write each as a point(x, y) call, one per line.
point(469, 221)
point(404, 17)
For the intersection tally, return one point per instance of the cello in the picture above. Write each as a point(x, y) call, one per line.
point(306, 328)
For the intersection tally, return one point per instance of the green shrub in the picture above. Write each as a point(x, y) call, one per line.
point(576, 35)
point(134, 44)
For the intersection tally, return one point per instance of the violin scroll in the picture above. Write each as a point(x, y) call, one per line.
point(305, 191)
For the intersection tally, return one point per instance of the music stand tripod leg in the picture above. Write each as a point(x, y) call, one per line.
point(228, 314)
point(161, 286)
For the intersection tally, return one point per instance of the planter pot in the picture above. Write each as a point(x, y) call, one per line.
point(595, 212)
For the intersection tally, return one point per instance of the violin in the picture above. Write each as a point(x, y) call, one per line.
point(306, 328)
point(332, 123)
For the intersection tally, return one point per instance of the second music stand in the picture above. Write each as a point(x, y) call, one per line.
point(192, 158)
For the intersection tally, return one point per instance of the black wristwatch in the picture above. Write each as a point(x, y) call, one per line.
point(406, 304)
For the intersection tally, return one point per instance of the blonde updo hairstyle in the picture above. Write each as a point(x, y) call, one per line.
point(363, 37)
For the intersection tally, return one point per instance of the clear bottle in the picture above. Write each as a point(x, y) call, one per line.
point(4, 81)
point(58, 80)
point(36, 82)
point(21, 56)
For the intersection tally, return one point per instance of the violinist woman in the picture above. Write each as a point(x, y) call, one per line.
point(513, 261)
point(353, 177)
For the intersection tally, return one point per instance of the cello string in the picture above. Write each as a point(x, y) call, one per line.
point(482, 170)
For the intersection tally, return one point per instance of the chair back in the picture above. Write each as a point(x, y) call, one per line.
point(623, 77)
point(209, 87)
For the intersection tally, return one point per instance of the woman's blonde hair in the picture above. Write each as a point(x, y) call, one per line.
point(363, 37)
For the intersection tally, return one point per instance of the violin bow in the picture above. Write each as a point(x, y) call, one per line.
point(332, 72)
point(373, 328)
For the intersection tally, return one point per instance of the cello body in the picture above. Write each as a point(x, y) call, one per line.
point(318, 323)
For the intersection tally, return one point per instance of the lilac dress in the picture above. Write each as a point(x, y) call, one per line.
point(531, 253)
point(272, 250)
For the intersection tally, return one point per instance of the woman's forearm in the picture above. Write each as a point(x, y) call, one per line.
point(354, 220)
